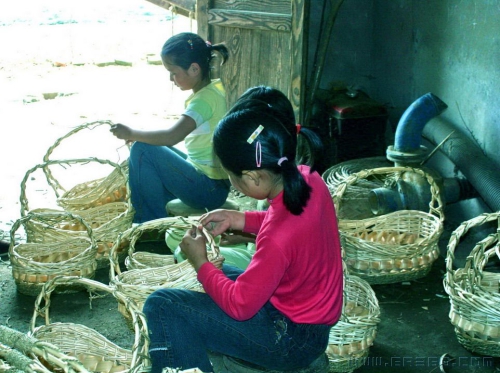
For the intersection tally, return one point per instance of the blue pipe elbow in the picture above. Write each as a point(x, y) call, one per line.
point(408, 136)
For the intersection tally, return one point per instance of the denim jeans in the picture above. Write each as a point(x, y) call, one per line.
point(183, 325)
point(159, 174)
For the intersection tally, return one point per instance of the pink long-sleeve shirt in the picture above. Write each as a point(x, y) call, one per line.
point(297, 263)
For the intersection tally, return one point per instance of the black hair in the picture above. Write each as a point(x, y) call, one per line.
point(270, 148)
point(309, 152)
point(186, 48)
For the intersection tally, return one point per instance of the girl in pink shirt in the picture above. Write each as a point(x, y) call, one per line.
point(277, 314)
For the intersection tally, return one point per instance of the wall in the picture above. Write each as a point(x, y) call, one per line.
point(398, 50)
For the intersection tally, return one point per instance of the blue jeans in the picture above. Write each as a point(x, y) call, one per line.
point(183, 325)
point(159, 174)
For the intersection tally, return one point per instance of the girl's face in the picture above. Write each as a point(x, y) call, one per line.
point(184, 79)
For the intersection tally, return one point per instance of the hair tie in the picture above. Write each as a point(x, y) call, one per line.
point(208, 44)
point(298, 127)
point(258, 154)
point(281, 160)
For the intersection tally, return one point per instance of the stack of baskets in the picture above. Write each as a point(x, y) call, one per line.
point(93, 350)
point(98, 204)
point(49, 252)
point(149, 272)
point(473, 290)
point(395, 247)
point(103, 202)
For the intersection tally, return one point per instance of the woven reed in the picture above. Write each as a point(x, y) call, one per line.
point(92, 349)
point(34, 263)
point(175, 225)
point(351, 337)
point(395, 247)
point(24, 353)
point(107, 219)
point(137, 284)
point(474, 293)
point(112, 188)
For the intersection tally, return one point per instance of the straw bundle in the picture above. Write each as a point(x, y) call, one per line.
point(351, 337)
point(95, 352)
point(106, 219)
point(24, 353)
point(34, 263)
point(395, 247)
point(473, 291)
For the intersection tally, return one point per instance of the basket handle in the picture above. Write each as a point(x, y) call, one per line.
point(454, 240)
point(435, 205)
point(54, 217)
point(141, 338)
point(58, 189)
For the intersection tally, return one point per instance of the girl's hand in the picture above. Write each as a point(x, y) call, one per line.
point(193, 246)
point(121, 131)
point(219, 221)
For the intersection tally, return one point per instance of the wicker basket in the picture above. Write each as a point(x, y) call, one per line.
point(24, 353)
point(395, 247)
point(474, 292)
point(91, 193)
point(137, 284)
point(351, 337)
point(107, 219)
point(139, 259)
point(34, 263)
point(93, 350)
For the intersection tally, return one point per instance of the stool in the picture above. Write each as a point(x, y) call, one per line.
point(226, 364)
point(176, 207)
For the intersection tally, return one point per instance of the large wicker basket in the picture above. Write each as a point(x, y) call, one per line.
point(351, 337)
point(395, 247)
point(137, 284)
point(92, 349)
point(474, 292)
point(108, 217)
point(36, 262)
point(23, 353)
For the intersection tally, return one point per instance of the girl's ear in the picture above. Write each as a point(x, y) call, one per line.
point(195, 68)
point(254, 176)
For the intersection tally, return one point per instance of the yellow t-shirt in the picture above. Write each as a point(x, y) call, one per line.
point(206, 107)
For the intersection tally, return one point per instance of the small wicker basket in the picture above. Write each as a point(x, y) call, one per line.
point(351, 337)
point(91, 193)
point(395, 247)
point(139, 259)
point(92, 349)
point(474, 292)
point(107, 218)
point(137, 284)
point(34, 263)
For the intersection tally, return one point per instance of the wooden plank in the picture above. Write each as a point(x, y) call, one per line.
point(269, 6)
point(183, 7)
point(250, 20)
point(299, 52)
